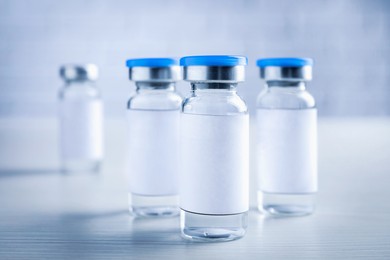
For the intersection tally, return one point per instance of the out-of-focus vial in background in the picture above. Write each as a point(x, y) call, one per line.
point(153, 134)
point(81, 119)
point(286, 138)
point(214, 150)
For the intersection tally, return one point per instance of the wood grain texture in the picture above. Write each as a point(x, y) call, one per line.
point(46, 215)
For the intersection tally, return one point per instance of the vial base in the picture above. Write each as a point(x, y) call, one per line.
point(286, 204)
point(70, 166)
point(212, 228)
point(153, 206)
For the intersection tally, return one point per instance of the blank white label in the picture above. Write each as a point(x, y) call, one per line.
point(153, 151)
point(81, 126)
point(214, 164)
point(287, 150)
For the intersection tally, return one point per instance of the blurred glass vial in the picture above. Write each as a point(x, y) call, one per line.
point(214, 150)
point(81, 119)
point(153, 137)
point(286, 138)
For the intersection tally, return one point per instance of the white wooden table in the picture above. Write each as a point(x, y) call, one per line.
point(46, 215)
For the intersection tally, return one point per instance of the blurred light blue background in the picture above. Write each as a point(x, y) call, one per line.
point(348, 39)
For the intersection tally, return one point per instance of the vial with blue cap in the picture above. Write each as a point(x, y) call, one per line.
point(214, 147)
point(81, 119)
point(153, 134)
point(286, 138)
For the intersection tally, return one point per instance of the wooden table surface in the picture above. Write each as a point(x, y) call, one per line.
point(48, 215)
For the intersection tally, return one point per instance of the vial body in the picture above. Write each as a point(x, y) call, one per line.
point(153, 132)
point(81, 127)
point(286, 149)
point(214, 163)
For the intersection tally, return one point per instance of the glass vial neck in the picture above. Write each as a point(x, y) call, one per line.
point(291, 85)
point(214, 87)
point(79, 83)
point(155, 86)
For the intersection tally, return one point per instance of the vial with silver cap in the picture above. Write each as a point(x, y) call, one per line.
point(286, 138)
point(81, 119)
point(214, 150)
point(153, 135)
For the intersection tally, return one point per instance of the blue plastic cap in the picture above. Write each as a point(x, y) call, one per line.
point(152, 62)
point(284, 62)
point(214, 60)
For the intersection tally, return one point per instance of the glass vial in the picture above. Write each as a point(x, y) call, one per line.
point(153, 133)
point(286, 138)
point(81, 119)
point(214, 150)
